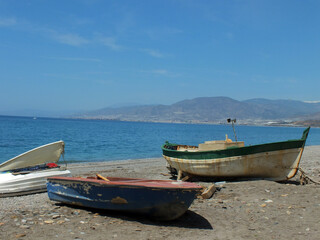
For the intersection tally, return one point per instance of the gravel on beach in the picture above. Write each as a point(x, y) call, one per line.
point(255, 209)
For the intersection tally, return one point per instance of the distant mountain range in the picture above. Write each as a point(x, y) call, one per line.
point(212, 110)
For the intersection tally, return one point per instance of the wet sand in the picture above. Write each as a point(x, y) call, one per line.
point(255, 209)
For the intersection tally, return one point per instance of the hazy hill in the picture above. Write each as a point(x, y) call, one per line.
point(210, 109)
point(285, 108)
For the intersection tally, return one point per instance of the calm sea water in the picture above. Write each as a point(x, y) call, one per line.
point(95, 140)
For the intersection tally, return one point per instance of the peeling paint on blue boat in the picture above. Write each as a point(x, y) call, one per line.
point(160, 203)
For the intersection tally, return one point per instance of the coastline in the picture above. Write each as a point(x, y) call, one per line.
point(249, 122)
point(255, 209)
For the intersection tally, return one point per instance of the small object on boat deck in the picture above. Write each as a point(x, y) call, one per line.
point(101, 177)
point(179, 175)
point(233, 121)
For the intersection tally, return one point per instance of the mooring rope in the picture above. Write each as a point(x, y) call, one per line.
point(305, 179)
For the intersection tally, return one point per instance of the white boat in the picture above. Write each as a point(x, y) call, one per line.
point(27, 173)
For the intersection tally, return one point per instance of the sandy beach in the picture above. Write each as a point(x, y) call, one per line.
point(255, 209)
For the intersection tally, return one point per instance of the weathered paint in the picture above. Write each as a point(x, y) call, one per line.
point(119, 200)
point(275, 161)
point(278, 165)
point(160, 199)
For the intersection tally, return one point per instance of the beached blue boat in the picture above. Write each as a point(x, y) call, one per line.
point(158, 199)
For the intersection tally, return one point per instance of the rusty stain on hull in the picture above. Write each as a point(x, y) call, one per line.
point(77, 204)
point(119, 200)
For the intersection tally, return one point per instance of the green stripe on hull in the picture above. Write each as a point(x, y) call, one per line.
point(238, 151)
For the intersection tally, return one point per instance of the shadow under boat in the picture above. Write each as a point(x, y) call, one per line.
point(189, 219)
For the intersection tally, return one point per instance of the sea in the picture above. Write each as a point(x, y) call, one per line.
point(104, 140)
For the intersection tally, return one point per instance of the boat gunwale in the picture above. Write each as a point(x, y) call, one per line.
point(144, 183)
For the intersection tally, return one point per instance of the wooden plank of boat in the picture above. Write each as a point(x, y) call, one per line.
point(276, 161)
point(159, 199)
point(49, 153)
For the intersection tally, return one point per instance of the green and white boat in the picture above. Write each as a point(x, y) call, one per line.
point(277, 161)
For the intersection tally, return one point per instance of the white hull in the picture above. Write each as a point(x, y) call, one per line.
point(20, 184)
point(13, 183)
point(49, 153)
point(276, 165)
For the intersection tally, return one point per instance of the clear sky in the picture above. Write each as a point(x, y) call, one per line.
point(89, 54)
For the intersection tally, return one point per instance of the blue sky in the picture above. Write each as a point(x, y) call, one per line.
point(89, 54)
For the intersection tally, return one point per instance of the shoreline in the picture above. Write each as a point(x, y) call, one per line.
point(253, 122)
point(88, 168)
point(110, 161)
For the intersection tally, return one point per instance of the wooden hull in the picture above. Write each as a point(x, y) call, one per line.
point(21, 184)
point(277, 166)
point(159, 199)
point(273, 161)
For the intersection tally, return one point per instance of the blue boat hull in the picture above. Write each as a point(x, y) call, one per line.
point(158, 203)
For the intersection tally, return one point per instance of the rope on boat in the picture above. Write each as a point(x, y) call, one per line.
point(305, 179)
